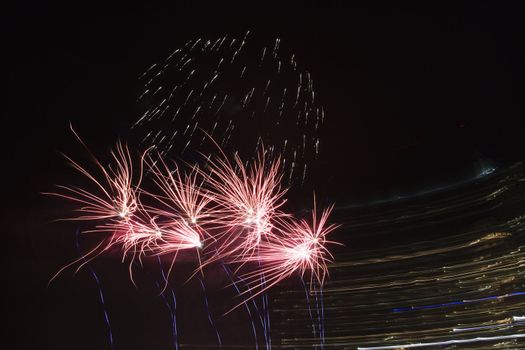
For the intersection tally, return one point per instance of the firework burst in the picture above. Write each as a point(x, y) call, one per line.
point(226, 85)
point(248, 197)
point(299, 247)
point(225, 209)
point(115, 197)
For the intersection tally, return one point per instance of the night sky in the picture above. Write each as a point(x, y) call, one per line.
point(416, 98)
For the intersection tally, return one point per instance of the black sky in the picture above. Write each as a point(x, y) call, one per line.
point(416, 97)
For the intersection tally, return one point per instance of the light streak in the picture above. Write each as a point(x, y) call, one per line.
point(100, 292)
point(434, 250)
point(171, 308)
point(245, 305)
point(445, 342)
point(210, 319)
point(461, 302)
point(320, 314)
point(307, 294)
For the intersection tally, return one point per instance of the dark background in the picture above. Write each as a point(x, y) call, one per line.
point(417, 97)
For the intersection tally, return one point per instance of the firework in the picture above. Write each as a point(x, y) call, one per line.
point(226, 86)
point(248, 197)
point(181, 195)
point(233, 204)
point(299, 247)
point(227, 210)
point(110, 204)
point(115, 194)
point(114, 207)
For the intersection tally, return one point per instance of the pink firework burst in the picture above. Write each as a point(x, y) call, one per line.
point(248, 198)
point(111, 203)
point(115, 191)
point(182, 196)
point(299, 247)
point(232, 210)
